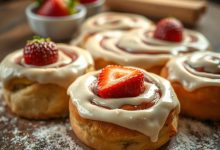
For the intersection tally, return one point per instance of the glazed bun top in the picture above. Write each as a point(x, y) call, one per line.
point(115, 21)
point(195, 70)
point(145, 113)
point(139, 48)
point(72, 62)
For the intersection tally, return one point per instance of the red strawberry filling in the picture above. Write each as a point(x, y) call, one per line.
point(169, 29)
point(118, 81)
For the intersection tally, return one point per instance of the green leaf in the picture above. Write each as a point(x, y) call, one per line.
point(72, 6)
point(39, 2)
point(38, 39)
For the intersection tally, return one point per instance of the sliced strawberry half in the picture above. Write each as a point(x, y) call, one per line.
point(118, 81)
point(53, 8)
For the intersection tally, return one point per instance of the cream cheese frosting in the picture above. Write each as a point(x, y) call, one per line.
point(138, 47)
point(111, 21)
point(115, 21)
point(148, 121)
point(183, 70)
point(62, 72)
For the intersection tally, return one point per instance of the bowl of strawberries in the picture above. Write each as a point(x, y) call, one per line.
point(57, 19)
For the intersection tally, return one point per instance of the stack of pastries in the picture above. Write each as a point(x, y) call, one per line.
point(123, 81)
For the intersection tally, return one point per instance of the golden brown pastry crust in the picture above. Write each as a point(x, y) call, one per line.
point(101, 63)
point(32, 100)
point(202, 103)
point(106, 136)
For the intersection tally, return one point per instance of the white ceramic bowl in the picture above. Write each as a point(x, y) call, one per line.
point(94, 8)
point(57, 28)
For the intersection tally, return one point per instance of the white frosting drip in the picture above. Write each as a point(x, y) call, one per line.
point(148, 121)
point(210, 62)
point(112, 21)
point(145, 42)
point(188, 76)
point(132, 41)
point(119, 56)
point(148, 95)
point(52, 73)
point(63, 59)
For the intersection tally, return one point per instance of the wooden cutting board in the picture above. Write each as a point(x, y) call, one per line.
point(188, 11)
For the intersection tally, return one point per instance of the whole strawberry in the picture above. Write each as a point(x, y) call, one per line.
point(169, 29)
point(40, 52)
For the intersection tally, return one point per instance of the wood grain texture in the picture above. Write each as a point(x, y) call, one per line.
point(187, 11)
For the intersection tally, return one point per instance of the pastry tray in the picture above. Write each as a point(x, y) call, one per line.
point(17, 133)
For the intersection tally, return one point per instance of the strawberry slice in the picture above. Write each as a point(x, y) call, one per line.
point(118, 81)
point(169, 29)
point(54, 8)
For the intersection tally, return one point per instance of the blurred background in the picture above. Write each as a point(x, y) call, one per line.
point(205, 17)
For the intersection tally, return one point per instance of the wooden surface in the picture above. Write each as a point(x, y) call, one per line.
point(188, 11)
point(14, 30)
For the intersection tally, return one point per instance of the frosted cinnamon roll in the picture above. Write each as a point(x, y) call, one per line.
point(196, 81)
point(123, 108)
point(110, 21)
point(148, 49)
point(36, 78)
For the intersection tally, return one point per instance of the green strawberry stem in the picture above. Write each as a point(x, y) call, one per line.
point(40, 2)
point(72, 6)
point(38, 39)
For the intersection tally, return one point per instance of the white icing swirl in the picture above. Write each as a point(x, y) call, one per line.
point(143, 41)
point(113, 21)
point(63, 59)
point(62, 73)
point(110, 21)
point(148, 121)
point(210, 62)
point(133, 48)
point(183, 70)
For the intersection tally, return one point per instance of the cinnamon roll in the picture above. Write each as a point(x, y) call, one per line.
point(196, 81)
point(140, 49)
point(38, 91)
point(106, 114)
point(110, 21)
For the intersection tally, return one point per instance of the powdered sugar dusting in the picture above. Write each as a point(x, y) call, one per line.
point(195, 135)
point(55, 137)
point(17, 133)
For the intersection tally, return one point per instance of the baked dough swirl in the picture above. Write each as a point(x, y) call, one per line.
point(110, 21)
point(148, 121)
point(72, 63)
point(196, 81)
point(39, 92)
point(138, 48)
